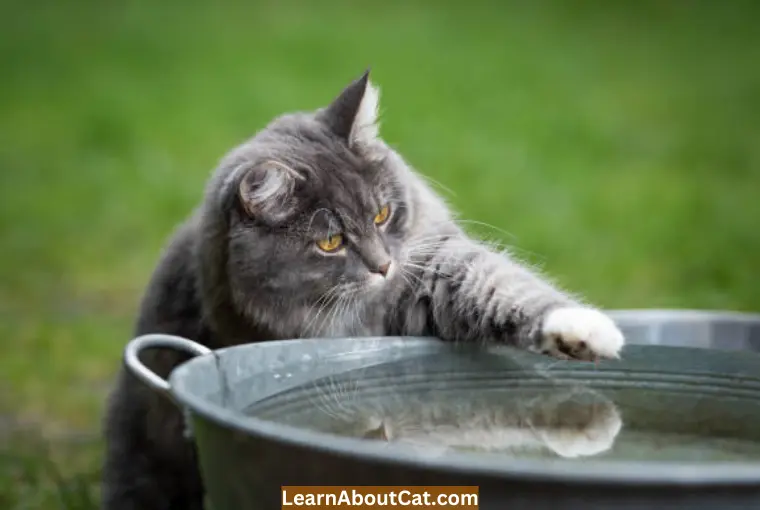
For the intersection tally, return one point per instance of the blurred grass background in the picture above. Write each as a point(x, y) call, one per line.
point(617, 144)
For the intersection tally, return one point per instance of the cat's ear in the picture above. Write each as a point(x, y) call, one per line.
point(266, 191)
point(353, 114)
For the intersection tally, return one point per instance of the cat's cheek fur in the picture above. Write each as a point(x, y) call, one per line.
point(580, 333)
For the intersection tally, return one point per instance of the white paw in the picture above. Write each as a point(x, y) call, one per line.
point(584, 431)
point(580, 333)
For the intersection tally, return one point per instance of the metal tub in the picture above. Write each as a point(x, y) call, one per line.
point(245, 459)
point(690, 328)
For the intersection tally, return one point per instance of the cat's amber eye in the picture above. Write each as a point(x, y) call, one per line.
point(383, 215)
point(331, 244)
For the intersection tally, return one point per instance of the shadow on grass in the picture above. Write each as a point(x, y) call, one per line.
point(45, 474)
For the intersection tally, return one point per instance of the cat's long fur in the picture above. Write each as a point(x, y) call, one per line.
point(244, 268)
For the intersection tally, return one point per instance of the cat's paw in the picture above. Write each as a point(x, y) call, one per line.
point(583, 430)
point(580, 333)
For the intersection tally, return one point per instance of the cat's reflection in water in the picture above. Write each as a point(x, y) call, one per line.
point(570, 423)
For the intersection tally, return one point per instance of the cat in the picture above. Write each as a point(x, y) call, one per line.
point(315, 227)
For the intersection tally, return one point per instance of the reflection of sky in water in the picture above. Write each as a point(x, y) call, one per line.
point(479, 402)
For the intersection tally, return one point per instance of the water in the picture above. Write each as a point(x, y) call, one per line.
point(654, 445)
point(440, 404)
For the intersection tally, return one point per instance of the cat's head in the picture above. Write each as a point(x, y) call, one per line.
point(316, 206)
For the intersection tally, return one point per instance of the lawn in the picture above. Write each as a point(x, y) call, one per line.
point(614, 144)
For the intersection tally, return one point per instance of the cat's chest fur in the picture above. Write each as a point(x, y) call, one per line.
point(347, 318)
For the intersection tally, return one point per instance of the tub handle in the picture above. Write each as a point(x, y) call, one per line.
point(146, 375)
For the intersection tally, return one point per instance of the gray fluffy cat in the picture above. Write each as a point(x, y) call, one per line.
point(316, 228)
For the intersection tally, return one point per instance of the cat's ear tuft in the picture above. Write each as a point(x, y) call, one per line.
point(266, 191)
point(353, 114)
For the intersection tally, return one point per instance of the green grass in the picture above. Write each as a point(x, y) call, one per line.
point(616, 142)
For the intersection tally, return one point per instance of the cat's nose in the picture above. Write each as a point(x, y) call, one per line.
point(383, 268)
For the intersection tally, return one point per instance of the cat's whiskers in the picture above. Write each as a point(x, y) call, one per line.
point(327, 402)
point(487, 225)
point(336, 294)
point(436, 241)
point(427, 269)
point(323, 302)
point(329, 319)
point(338, 393)
point(493, 244)
point(327, 294)
point(327, 407)
point(346, 304)
point(430, 237)
point(354, 306)
point(434, 246)
point(433, 243)
point(357, 314)
point(406, 274)
point(434, 249)
point(338, 307)
point(437, 183)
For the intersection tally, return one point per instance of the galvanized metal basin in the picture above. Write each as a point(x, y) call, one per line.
point(691, 328)
point(677, 424)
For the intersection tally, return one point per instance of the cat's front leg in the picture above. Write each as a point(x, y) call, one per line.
point(480, 295)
